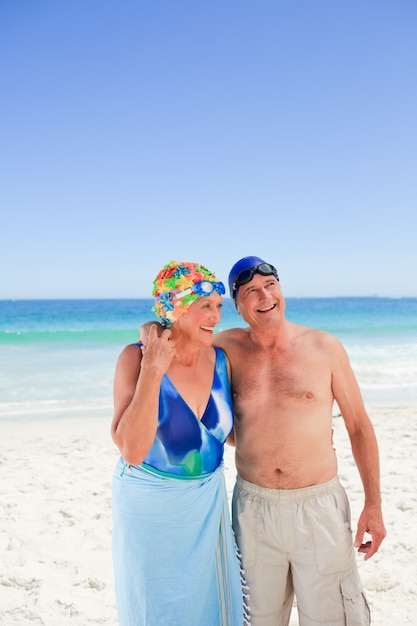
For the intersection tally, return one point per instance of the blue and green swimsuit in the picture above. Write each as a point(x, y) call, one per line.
point(185, 446)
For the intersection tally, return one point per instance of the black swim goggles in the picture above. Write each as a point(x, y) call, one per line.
point(264, 269)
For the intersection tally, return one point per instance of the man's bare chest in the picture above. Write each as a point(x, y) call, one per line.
point(269, 379)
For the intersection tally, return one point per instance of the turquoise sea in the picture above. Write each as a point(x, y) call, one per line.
point(57, 357)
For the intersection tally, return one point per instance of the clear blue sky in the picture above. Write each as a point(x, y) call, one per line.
point(134, 132)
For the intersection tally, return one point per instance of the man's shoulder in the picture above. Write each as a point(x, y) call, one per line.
point(316, 335)
point(226, 337)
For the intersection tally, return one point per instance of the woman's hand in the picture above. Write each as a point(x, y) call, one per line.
point(158, 351)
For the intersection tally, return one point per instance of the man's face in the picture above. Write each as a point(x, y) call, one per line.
point(260, 301)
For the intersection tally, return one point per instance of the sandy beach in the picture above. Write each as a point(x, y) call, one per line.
point(55, 530)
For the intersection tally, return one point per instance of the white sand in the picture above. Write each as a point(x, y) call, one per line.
point(55, 529)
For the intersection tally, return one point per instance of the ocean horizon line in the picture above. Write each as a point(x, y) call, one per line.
point(135, 298)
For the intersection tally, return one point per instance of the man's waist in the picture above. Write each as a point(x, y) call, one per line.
point(290, 494)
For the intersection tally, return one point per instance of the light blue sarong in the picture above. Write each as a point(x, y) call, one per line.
point(174, 554)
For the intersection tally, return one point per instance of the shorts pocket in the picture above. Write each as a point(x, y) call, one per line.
point(329, 521)
point(245, 521)
point(354, 601)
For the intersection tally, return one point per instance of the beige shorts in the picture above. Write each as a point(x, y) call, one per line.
point(298, 541)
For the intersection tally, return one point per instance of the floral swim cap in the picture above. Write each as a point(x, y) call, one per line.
point(178, 285)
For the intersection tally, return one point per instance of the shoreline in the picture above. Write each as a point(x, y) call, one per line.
point(56, 518)
point(102, 408)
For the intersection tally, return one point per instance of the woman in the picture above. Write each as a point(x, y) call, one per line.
point(173, 549)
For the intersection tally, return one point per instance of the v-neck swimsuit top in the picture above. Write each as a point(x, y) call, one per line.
point(184, 446)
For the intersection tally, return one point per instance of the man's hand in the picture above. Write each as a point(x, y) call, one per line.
point(370, 522)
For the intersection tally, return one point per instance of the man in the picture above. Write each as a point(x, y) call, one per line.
point(290, 513)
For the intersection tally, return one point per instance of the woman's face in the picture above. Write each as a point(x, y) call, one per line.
point(201, 318)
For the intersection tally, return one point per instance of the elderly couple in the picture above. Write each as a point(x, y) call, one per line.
point(268, 389)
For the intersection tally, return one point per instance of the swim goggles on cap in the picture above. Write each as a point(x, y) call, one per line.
point(265, 269)
point(203, 288)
